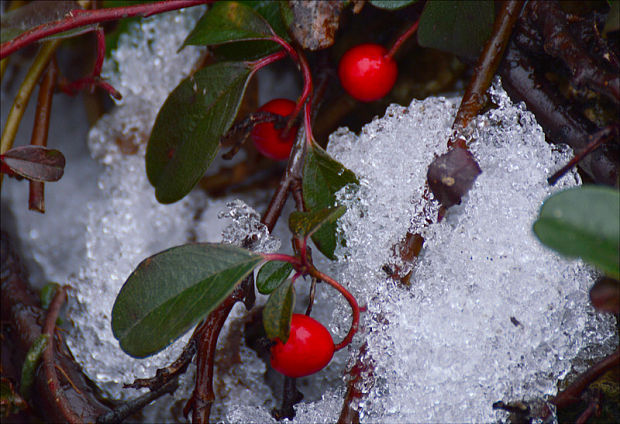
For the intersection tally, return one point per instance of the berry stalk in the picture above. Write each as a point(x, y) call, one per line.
point(399, 42)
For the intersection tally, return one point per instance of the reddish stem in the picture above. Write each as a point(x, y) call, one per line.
point(282, 258)
point(412, 29)
point(94, 79)
point(79, 18)
point(308, 124)
point(355, 308)
point(100, 52)
point(305, 69)
point(264, 61)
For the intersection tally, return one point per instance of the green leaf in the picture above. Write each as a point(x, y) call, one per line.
point(458, 27)
point(171, 291)
point(304, 224)
point(271, 275)
point(391, 4)
point(187, 131)
point(227, 22)
point(30, 364)
point(251, 50)
point(278, 312)
point(322, 178)
point(583, 222)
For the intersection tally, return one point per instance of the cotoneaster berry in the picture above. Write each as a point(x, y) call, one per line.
point(309, 348)
point(367, 73)
point(267, 139)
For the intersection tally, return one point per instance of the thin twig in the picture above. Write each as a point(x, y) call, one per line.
point(36, 200)
point(596, 140)
point(79, 18)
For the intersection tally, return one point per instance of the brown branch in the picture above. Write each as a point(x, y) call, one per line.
point(490, 58)
point(79, 18)
point(571, 394)
point(203, 396)
point(36, 200)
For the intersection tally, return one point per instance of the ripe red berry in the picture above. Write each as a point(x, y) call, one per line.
point(309, 348)
point(366, 73)
point(267, 139)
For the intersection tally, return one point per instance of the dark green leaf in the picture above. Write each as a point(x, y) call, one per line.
point(227, 22)
point(271, 276)
point(391, 4)
point(47, 294)
point(458, 27)
point(31, 362)
point(171, 291)
point(613, 17)
point(251, 50)
point(37, 163)
point(323, 177)
point(278, 312)
point(584, 222)
point(304, 224)
point(187, 131)
point(30, 15)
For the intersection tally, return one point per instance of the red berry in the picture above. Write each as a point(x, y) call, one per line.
point(267, 139)
point(309, 348)
point(366, 73)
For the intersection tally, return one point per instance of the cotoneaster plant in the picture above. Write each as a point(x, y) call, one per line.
point(270, 141)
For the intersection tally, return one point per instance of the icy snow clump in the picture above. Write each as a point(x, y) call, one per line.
point(489, 314)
